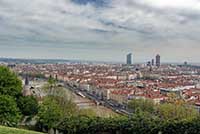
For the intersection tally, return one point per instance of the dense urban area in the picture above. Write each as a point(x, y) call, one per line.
point(86, 97)
point(117, 84)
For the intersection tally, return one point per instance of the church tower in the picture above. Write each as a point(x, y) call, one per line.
point(26, 89)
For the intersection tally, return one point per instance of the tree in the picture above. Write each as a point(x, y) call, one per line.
point(144, 122)
point(52, 88)
point(61, 96)
point(67, 106)
point(51, 81)
point(49, 113)
point(10, 90)
point(28, 105)
point(169, 112)
point(175, 99)
point(145, 105)
point(9, 112)
point(9, 83)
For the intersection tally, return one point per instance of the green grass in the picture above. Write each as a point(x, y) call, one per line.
point(9, 130)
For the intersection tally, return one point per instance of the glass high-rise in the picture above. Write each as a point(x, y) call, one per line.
point(158, 60)
point(129, 59)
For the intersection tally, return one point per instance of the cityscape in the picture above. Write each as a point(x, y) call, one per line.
point(99, 67)
point(117, 84)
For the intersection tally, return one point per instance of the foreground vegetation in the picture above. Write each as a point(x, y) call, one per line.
point(138, 124)
point(9, 130)
point(14, 106)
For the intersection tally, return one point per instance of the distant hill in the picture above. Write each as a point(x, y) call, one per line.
point(48, 61)
point(8, 130)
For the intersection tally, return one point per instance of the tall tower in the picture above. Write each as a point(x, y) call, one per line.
point(26, 81)
point(152, 62)
point(26, 91)
point(158, 60)
point(129, 59)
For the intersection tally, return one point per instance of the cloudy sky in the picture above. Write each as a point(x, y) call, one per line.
point(101, 30)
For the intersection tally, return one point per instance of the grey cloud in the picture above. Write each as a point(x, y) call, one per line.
point(119, 24)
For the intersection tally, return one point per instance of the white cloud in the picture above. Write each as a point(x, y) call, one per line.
point(180, 4)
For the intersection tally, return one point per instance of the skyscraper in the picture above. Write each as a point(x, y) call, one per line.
point(152, 62)
point(129, 59)
point(158, 60)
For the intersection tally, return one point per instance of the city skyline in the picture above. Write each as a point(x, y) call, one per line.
point(100, 30)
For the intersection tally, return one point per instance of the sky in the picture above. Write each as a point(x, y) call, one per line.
point(100, 30)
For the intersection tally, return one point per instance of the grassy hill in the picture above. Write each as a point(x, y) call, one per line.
point(8, 130)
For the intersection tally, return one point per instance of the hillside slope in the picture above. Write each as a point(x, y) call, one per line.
point(9, 130)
